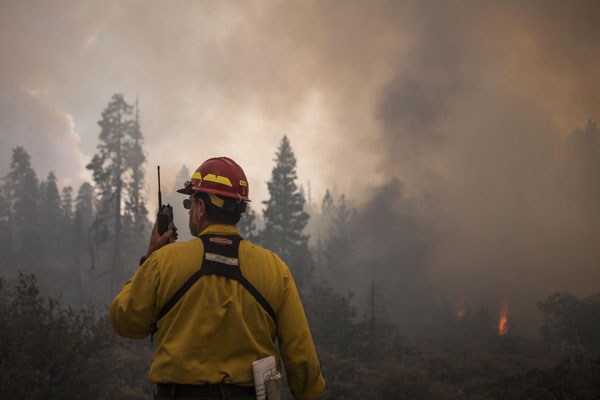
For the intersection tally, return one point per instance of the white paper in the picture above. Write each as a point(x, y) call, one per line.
point(262, 368)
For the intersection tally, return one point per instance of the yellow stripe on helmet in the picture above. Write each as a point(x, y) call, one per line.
point(223, 180)
point(216, 200)
point(197, 175)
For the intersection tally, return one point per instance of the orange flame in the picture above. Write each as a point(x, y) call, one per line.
point(461, 308)
point(502, 327)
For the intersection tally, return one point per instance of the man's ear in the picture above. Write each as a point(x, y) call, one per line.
point(201, 207)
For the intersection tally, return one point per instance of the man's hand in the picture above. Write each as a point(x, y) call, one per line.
point(157, 241)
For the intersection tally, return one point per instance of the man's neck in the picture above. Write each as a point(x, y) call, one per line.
point(204, 226)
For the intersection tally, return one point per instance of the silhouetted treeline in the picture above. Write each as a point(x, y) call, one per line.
point(80, 246)
point(52, 352)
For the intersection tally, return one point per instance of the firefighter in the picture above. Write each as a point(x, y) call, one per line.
point(217, 302)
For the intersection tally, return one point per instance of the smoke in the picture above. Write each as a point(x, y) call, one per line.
point(457, 112)
point(474, 123)
point(37, 40)
point(47, 134)
point(468, 108)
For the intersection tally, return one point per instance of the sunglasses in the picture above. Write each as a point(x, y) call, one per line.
point(187, 204)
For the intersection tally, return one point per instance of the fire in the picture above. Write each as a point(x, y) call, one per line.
point(502, 327)
point(461, 308)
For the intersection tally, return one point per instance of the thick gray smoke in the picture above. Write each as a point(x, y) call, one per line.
point(474, 123)
point(472, 103)
point(458, 112)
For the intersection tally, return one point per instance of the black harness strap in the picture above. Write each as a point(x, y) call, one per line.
point(221, 259)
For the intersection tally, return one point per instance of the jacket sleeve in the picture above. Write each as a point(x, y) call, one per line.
point(296, 345)
point(133, 312)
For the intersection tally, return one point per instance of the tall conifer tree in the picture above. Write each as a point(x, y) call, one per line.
point(66, 237)
point(135, 204)
point(23, 193)
point(285, 218)
point(247, 225)
point(109, 169)
point(51, 219)
point(84, 215)
point(66, 207)
point(6, 250)
point(82, 233)
point(338, 243)
point(182, 176)
point(323, 223)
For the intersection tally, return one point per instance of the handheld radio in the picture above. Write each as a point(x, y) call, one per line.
point(165, 212)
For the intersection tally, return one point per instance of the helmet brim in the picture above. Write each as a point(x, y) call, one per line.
point(187, 191)
point(191, 190)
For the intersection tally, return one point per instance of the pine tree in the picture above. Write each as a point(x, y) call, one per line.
point(109, 170)
point(325, 218)
point(6, 234)
point(171, 196)
point(285, 218)
point(66, 208)
point(322, 224)
point(303, 195)
point(82, 232)
point(327, 202)
point(23, 194)
point(338, 225)
point(68, 250)
point(51, 219)
point(135, 205)
point(247, 225)
point(182, 176)
point(84, 215)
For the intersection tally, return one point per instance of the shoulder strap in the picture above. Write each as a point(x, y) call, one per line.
point(220, 258)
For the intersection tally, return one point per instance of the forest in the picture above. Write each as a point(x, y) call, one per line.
point(381, 328)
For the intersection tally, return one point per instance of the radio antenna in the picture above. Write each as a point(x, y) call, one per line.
point(159, 195)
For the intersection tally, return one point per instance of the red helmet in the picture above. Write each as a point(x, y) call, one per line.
point(219, 175)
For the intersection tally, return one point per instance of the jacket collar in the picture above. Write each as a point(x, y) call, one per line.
point(219, 229)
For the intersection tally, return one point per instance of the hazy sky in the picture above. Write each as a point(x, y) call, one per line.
point(465, 103)
point(230, 78)
point(213, 78)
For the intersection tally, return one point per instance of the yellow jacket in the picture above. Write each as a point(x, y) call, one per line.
point(217, 329)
